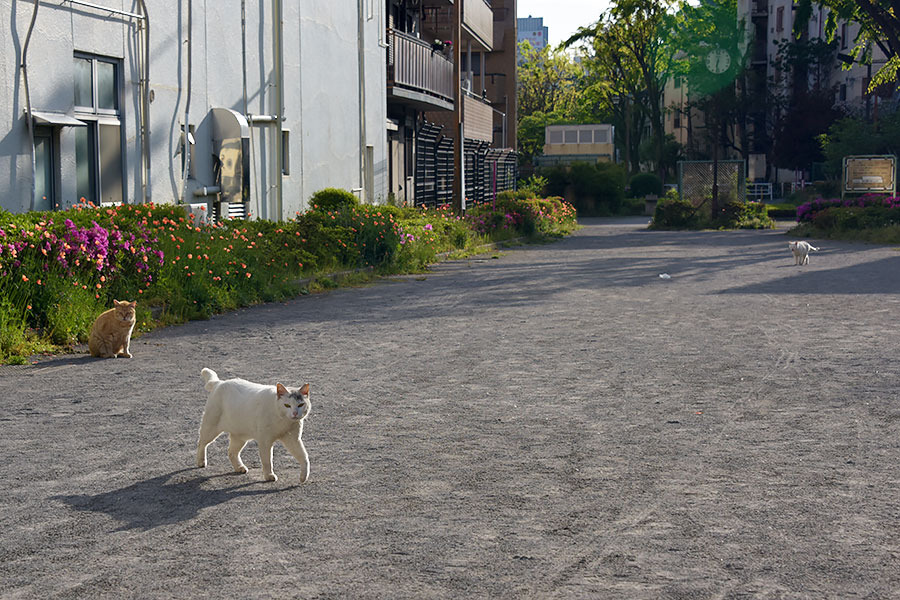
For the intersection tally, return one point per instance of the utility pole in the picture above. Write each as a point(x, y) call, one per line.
point(459, 186)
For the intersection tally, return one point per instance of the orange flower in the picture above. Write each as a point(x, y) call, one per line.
point(24, 278)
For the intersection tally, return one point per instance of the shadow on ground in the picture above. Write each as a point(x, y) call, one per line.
point(164, 500)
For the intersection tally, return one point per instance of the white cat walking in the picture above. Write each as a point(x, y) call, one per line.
point(801, 251)
point(252, 411)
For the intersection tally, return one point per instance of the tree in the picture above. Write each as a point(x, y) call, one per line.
point(546, 81)
point(547, 94)
point(805, 110)
point(630, 63)
point(879, 22)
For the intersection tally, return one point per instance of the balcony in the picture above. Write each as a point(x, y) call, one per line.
point(417, 74)
point(478, 120)
point(478, 19)
point(477, 23)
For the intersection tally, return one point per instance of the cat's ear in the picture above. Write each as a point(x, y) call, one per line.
point(305, 389)
point(133, 304)
point(280, 390)
point(116, 302)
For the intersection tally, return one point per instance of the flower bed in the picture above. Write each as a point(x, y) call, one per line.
point(59, 270)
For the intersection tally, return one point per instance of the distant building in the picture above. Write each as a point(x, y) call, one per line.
point(564, 144)
point(533, 30)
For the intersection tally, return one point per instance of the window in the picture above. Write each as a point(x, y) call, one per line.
point(44, 169)
point(842, 95)
point(779, 19)
point(843, 36)
point(99, 163)
point(571, 136)
point(585, 136)
point(676, 122)
point(556, 136)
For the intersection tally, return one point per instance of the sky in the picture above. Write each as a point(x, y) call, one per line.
point(562, 17)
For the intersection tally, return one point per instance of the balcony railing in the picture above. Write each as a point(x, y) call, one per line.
point(418, 67)
point(479, 18)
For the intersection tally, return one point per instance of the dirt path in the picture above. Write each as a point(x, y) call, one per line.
point(559, 422)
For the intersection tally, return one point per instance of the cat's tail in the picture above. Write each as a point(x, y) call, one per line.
point(210, 379)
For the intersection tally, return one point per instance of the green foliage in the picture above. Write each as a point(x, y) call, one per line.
point(533, 187)
point(879, 27)
point(643, 184)
point(530, 133)
point(744, 215)
point(627, 62)
point(673, 212)
point(783, 210)
point(597, 188)
point(330, 199)
point(850, 136)
point(798, 131)
point(59, 270)
point(547, 80)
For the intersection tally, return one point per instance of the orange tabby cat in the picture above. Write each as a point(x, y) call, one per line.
point(111, 332)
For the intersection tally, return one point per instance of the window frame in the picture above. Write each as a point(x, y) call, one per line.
point(97, 118)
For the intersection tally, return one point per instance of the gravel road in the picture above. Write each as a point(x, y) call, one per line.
point(552, 421)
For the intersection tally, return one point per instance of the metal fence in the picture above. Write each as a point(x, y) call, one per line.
point(488, 171)
point(696, 178)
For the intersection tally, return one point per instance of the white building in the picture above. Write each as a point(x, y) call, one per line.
point(245, 107)
point(532, 30)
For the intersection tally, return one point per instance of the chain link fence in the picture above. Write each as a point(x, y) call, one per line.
point(695, 181)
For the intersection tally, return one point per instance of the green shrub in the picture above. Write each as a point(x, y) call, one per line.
point(332, 199)
point(59, 270)
point(533, 187)
point(598, 189)
point(672, 212)
point(744, 215)
point(784, 210)
point(643, 184)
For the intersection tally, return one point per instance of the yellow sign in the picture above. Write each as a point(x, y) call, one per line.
point(870, 173)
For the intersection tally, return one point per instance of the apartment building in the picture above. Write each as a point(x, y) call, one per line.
point(770, 25)
point(430, 99)
point(532, 30)
point(233, 108)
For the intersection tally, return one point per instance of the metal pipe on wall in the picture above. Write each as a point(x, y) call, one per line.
point(28, 116)
point(144, 65)
point(278, 57)
point(361, 73)
point(189, 42)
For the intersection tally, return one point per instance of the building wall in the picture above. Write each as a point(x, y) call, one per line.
point(532, 29)
point(500, 76)
point(324, 58)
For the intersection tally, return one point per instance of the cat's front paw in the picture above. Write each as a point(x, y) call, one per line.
point(125, 355)
point(271, 477)
point(241, 469)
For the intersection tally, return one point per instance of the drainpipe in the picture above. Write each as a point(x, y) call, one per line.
point(278, 57)
point(187, 102)
point(145, 102)
point(28, 116)
point(361, 72)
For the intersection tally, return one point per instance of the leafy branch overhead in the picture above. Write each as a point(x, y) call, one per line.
point(879, 27)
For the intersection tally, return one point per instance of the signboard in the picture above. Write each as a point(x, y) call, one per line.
point(863, 174)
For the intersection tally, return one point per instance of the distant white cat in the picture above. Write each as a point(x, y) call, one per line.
point(801, 252)
point(251, 411)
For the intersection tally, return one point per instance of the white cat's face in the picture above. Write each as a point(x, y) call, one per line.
point(295, 401)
